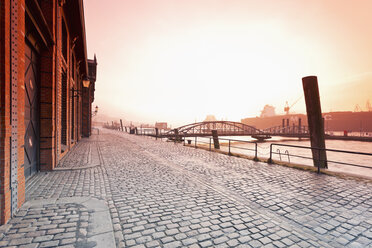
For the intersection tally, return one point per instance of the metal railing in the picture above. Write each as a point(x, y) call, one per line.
point(233, 144)
point(318, 160)
point(229, 144)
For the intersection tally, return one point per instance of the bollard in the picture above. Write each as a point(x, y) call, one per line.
point(175, 135)
point(315, 122)
point(270, 160)
point(156, 133)
point(121, 124)
point(215, 139)
point(255, 153)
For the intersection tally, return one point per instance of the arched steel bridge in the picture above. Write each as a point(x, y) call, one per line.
point(224, 128)
point(230, 128)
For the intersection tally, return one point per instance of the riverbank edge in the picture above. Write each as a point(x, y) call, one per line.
point(343, 175)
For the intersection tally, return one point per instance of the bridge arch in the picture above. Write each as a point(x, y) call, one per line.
point(222, 127)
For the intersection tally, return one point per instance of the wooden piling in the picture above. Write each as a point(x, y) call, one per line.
point(176, 135)
point(121, 124)
point(215, 139)
point(315, 122)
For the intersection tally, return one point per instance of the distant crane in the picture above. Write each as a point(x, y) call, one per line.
point(287, 107)
point(357, 108)
point(368, 106)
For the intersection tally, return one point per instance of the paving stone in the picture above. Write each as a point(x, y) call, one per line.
point(34, 245)
point(20, 241)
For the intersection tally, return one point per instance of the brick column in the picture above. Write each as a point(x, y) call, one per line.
point(47, 95)
point(86, 111)
point(7, 118)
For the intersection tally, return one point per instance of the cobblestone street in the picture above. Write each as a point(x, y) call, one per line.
point(160, 194)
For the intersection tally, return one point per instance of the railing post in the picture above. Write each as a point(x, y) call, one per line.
point(255, 152)
point(318, 161)
point(229, 147)
point(271, 151)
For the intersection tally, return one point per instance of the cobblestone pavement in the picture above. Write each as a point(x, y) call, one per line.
point(83, 154)
point(162, 194)
point(48, 226)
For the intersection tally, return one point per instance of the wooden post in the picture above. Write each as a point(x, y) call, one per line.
point(156, 132)
point(121, 124)
point(299, 125)
point(215, 139)
point(175, 135)
point(315, 122)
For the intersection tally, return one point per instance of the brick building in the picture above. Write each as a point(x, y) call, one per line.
point(47, 89)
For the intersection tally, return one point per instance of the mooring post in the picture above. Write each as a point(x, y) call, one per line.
point(156, 133)
point(175, 135)
point(314, 119)
point(121, 124)
point(215, 139)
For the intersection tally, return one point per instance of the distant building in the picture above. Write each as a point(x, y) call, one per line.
point(268, 111)
point(210, 118)
point(161, 125)
point(333, 121)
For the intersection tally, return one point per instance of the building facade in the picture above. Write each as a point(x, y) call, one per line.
point(47, 89)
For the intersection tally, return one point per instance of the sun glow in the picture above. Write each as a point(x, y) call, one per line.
point(171, 61)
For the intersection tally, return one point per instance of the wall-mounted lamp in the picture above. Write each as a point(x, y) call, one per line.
point(77, 93)
point(86, 83)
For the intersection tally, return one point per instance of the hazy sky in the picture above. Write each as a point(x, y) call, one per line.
point(179, 60)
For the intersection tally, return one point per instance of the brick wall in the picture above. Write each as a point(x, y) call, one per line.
point(5, 111)
point(51, 94)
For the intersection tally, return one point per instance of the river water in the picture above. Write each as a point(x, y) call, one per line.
point(288, 154)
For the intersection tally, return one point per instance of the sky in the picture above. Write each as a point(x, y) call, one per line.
point(180, 60)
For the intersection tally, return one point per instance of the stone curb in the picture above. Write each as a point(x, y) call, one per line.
point(75, 168)
point(100, 229)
